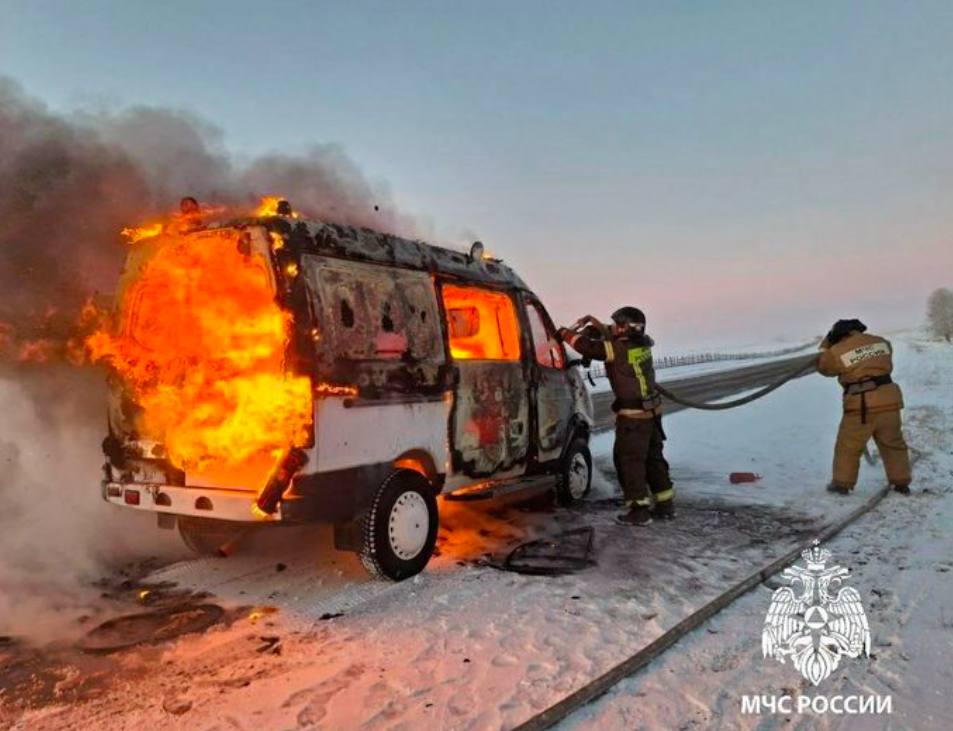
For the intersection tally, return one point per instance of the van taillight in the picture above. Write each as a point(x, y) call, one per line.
point(114, 491)
point(131, 497)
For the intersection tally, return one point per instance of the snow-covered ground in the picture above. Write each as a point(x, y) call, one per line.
point(901, 562)
point(466, 646)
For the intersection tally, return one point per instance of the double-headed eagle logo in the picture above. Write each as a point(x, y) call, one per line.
point(814, 627)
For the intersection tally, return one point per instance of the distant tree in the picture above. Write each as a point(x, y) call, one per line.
point(940, 313)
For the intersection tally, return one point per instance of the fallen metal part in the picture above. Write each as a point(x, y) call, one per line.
point(129, 630)
point(565, 553)
point(272, 644)
point(737, 478)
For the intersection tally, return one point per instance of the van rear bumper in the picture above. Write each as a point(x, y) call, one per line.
point(200, 502)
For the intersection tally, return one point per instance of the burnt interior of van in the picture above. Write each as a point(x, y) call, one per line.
point(481, 324)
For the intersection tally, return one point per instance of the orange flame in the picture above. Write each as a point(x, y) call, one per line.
point(332, 389)
point(135, 235)
point(268, 206)
point(200, 347)
point(53, 337)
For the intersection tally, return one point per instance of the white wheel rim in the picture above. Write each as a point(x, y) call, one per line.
point(408, 525)
point(578, 475)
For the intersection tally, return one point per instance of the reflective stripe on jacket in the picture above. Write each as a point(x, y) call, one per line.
point(630, 370)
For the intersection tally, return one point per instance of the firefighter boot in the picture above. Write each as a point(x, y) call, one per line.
point(637, 515)
point(664, 510)
point(838, 489)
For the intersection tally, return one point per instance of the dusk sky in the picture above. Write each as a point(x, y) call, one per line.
point(741, 171)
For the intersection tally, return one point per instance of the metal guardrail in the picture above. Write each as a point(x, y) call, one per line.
point(674, 361)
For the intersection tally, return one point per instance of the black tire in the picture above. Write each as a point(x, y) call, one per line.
point(207, 537)
point(412, 497)
point(572, 483)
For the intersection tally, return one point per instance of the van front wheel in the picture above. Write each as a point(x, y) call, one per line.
point(575, 473)
point(400, 529)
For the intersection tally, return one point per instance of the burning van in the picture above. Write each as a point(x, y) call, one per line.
point(273, 370)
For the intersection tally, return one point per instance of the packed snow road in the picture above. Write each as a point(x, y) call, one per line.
point(307, 641)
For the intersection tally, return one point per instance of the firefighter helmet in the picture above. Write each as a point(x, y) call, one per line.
point(843, 328)
point(629, 317)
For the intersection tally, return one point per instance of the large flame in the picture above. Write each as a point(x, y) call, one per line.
point(268, 206)
point(200, 345)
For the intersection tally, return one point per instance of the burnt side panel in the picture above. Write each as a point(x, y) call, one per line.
point(490, 417)
point(375, 327)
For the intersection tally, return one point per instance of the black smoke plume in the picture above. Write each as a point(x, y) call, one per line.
point(69, 183)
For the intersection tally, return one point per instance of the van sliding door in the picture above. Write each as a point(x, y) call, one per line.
point(489, 423)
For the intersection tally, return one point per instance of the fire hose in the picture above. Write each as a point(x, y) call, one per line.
point(722, 405)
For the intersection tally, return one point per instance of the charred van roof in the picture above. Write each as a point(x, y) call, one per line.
point(304, 236)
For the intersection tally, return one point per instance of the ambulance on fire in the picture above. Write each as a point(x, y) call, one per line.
point(426, 371)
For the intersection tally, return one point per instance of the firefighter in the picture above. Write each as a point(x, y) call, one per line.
point(872, 403)
point(639, 461)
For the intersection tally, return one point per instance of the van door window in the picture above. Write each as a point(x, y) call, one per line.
point(481, 324)
point(374, 313)
point(549, 352)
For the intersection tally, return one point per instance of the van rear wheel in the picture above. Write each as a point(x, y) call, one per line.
point(400, 529)
point(207, 537)
point(575, 474)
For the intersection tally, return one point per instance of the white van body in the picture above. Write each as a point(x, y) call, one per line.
point(396, 322)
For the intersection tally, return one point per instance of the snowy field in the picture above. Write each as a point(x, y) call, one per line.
point(901, 560)
point(314, 644)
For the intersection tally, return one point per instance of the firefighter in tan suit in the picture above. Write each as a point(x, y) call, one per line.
point(872, 403)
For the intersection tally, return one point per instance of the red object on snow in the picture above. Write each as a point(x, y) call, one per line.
point(737, 478)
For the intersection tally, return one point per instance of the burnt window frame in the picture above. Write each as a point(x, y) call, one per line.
point(330, 350)
point(512, 293)
point(531, 300)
